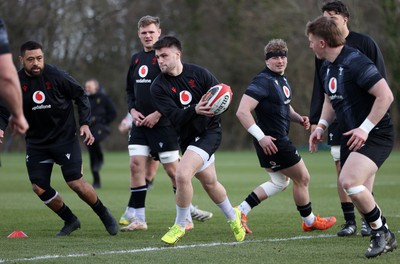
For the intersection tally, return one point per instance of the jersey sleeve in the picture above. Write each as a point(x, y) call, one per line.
point(75, 91)
point(372, 51)
point(317, 97)
point(130, 85)
point(258, 88)
point(366, 73)
point(208, 79)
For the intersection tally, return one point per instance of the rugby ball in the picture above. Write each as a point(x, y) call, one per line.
point(219, 97)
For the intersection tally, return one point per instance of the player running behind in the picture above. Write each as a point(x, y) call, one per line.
point(269, 96)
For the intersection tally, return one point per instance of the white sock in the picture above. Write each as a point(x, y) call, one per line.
point(309, 220)
point(227, 209)
point(181, 215)
point(129, 212)
point(244, 207)
point(140, 214)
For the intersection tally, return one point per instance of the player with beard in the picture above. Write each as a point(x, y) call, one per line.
point(48, 94)
point(178, 93)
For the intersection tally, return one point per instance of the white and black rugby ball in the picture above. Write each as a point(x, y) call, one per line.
point(219, 97)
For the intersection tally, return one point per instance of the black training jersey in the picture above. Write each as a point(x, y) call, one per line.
point(48, 107)
point(4, 46)
point(177, 96)
point(142, 72)
point(103, 112)
point(346, 82)
point(274, 94)
point(4, 116)
point(359, 41)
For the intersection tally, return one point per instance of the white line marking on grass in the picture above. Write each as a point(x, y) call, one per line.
point(141, 250)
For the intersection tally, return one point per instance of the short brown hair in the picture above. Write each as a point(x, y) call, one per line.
point(276, 45)
point(148, 20)
point(327, 29)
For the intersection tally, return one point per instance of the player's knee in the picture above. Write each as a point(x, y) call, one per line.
point(48, 195)
point(355, 190)
point(40, 185)
point(78, 186)
point(278, 183)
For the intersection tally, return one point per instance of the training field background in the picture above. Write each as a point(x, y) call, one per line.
point(277, 235)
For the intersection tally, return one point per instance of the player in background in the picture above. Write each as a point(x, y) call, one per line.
point(151, 133)
point(178, 93)
point(103, 112)
point(10, 93)
point(338, 11)
point(48, 95)
point(269, 96)
point(359, 98)
point(152, 165)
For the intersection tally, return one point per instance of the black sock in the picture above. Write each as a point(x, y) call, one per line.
point(96, 177)
point(138, 197)
point(374, 215)
point(304, 210)
point(348, 212)
point(98, 207)
point(66, 214)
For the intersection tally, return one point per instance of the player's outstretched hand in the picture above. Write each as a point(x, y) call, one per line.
point(85, 132)
point(315, 138)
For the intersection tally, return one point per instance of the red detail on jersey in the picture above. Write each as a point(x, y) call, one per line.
point(143, 71)
point(185, 97)
point(48, 85)
point(286, 91)
point(173, 89)
point(136, 61)
point(154, 61)
point(333, 85)
point(192, 83)
point(38, 96)
point(24, 88)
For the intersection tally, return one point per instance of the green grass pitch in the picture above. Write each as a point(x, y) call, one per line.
point(277, 237)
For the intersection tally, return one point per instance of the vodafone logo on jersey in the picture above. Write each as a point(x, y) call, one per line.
point(185, 97)
point(333, 85)
point(38, 97)
point(286, 91)
point(143, 71)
